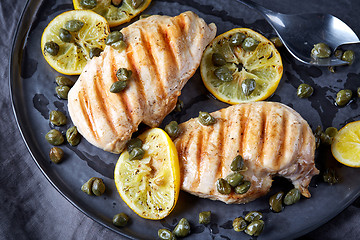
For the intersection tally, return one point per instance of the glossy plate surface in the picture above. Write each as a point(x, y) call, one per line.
point(32, 84)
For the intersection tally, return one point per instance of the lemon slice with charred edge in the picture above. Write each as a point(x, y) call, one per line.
point(116, 12)
point(150, 186)
point(74, 52)
point(262, 67)
point(346, 145)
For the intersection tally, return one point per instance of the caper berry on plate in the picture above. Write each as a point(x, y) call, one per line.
point(118, 86)
point(348, 56)
point(293, 196)
point(94, 186)
point(62, 91)
point(277, 42)
point(56, 155)
point(223, 186)
point(255, 228)
point(182, 229)
point(133, 143)
point(95, 52)
point(123, 74)
point(172, 129)
point(88, 4)
point(321, 50)
point(120, 220)
point(237, 163)
point(113, 37)
point(165, 234)
point(218, 59)
point(239, 224)
point(73, 136)
point(237, 39)
point(57, 118)
point(343, 97)
point(275, 202)
point(54, 137)
point(304, 90)
point(253, 215)
point(206, 119)
point(136, 3)
point(243, 187)
point(179, 106)
point(51, 48)
point(234, 179)
point(249, 44)
point(64, 81)
point(74, 25)
point(205, 217)
point(224, 74)
point(248, 86)
point(136, 154)
point(65, 35)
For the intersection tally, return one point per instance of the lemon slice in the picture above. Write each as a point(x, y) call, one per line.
point(73, 53)
point(122, 12)
point(262, 67)
point(150, 186)
point(346, 145)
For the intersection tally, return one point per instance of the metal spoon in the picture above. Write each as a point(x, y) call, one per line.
point(299, 33)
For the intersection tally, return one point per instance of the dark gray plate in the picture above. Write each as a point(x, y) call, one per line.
point(32, 89)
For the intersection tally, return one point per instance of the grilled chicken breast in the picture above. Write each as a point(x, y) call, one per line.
point(163, 53)
point(273, 139)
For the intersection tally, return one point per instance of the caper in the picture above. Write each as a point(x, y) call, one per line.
point(275, 202)
point(179, 106)
point(165, 234)
point(123, 74)
point(205, 217)
point(321, 50)
point(358, 92)
point(348, 56)
point(54, 137)
point(330, 176)
point(253, 216)
point(248, 86)
point(142, 16)
point(95, 52)
point(172, 129)
point(237, 39)
point(243, 188)
point(136, 154)
point(62, 91)
point(218, 59)
point(239, 224)
point(326, 139)
point(88, 4)
point(223, 186)
point(56, 154)
point(73, 136)
point(182, 229)
point(237, 163)
point(332, 69)
point(304, 90)
point(74, 25)
point(57, 118)
point(136, 3)
point(206, 119)
point(343, 97)
point(65, 35)
point(120, 220)
point(51, 48)
point(119, 45)
point(277, 42)
point(133, 143)
point(118, 86)
point(293, 196)
point(64, 81)
point(249, 44)
point(224, 74)
point(234, 179)
point(255, 228)
point(338, 53)
point(114, 37)
point(87, 187)
point(98, 187)
point(331, 131)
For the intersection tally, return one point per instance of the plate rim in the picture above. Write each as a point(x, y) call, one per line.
point(17, 48)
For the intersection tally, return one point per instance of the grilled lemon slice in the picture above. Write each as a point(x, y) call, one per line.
point(116, 12)
point(150, 186)
point(68, 51)
point(241, 65)
point(346, 145)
